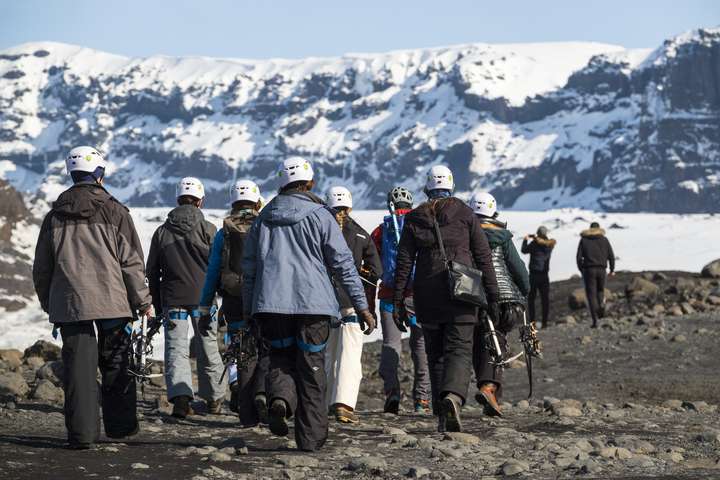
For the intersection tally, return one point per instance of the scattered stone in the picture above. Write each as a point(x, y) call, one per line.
point(294, 461)
point(12, 357)
point(577, 298)
point(374, 465)
point(687, 309)
point(220, 457)
point(34, 362)
point(465, 438)
point(513, 467)
point(53, 371)
point(417, 472)
point(394, 431)
point(522, 405)
point(711, 270)
point(675, 311)
point(674, 404)
point(12, 384)
point(293, 474)
point(675, 457)
point(567, 320)
point(709, 436)
point(139, 466)
point(45, 390)
point(567, 412)
point(697, 406)
point(640, 288)
point(43, 349)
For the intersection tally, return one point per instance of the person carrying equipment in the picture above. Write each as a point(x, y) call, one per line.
point(224, 277)
point(387, 237)
point(513, 285)
point(176, 267)
point(89, 273)
point(540, 249)
point(292, 253)
point(594, 254)
point(343, 361)
point(440, 229)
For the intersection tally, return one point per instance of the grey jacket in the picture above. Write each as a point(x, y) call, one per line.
point(292, 252)
point(88, 259)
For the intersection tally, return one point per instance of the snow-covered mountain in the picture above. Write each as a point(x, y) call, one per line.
point(541, 125)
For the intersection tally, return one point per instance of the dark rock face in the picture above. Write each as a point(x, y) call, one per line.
point(15, 273)
point(621, 134)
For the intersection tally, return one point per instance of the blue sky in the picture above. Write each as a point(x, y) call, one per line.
point(295, 29)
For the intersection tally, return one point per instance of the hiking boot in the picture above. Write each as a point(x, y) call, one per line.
point(422, 407)
point(277, 418)
point(234, 397)
point(115, 435)
point(261, 408)
point(486, 398)
point(345, 414)
point(80, 445)
point(182, 407)
point(214, 407)
point(392, 404)
point(450, 414)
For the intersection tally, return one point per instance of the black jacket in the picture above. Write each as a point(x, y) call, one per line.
point(178, 258)
point(366, 257)
point(465, 242)
point(540, 250)
point(594, 250)
point(512, 276)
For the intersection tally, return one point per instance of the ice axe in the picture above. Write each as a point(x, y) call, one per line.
point(531, 347)
point(141, 348)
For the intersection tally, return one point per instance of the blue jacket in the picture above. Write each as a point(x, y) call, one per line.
point(212, 277)
point(291, 253)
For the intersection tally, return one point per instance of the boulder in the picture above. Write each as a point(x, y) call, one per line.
point(11, 357)
point(46, 391)
point(711, 270)
point(45, 350)
point(640, 288)
point(12, 384)
point(577, 298)
point(53, 371)
point(34, 362)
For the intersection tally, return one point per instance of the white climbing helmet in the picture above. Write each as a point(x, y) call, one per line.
point(338, 197)
point(439, 178)
point(84, 159)
point(484, 204)
point(295, 169)
point(244, 190)
point(190, 186)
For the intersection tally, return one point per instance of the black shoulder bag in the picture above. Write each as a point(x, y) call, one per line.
point(465, 283)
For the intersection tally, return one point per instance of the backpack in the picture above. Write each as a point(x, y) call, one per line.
point(235, 230)
point(390, 249)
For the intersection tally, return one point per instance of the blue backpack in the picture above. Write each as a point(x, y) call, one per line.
point(390, 249)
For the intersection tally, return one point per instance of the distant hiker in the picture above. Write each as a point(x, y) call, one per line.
point(292, 253)
point(594, 254)
point(513, 285)
point(224, 277)
point(386, 237)
point(343, 361)
point(448, 324)
point(540, 249)
point(176, 267)
point(89, 273)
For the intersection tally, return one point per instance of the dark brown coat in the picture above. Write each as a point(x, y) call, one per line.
point(465, 242)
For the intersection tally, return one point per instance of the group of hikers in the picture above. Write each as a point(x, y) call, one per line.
point(299, 277)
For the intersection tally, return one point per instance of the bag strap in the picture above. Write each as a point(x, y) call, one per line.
point(440, 240)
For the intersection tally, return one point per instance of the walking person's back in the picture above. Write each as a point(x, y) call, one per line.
point(594, 255)
point(540, 248)
point(89, 273)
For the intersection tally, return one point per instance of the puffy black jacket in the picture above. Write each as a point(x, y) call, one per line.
point(540, 250)
point(365, 255)
point(178, 258)
point(594, 250)
point(512, 276)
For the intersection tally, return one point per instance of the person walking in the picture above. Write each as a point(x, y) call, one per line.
point(594, 255)
point(89, 274)
point(540, 248)
point(513, 286)
point(292, 253)
point(386, 237)
point(343, 361)
point(176, 267)
point(224, 277)
point(448, 325)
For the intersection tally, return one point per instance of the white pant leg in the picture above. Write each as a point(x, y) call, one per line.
point(348, 365)
point(331, 356)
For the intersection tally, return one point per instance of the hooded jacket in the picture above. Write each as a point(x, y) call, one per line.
point(594, 250)
point(292, 252)
point(365, 255)
point(540, 250)
point(512, 276)
point(88, 260)
point(464, 241)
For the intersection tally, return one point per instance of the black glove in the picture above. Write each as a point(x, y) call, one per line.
point(367, 321)
point(493, 312)
point(204, 321)
point(399, 315)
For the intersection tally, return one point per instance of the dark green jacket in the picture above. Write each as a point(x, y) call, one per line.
point(500, 238)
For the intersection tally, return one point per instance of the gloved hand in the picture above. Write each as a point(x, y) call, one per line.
point(399, 315)
point(204, 321)
point(148, 311)
point(493, 312)
point(366, 321)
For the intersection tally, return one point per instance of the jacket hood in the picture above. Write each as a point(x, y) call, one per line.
point(592, 232)
point(81, 200)
point(447, 210)
point(184, 219)
point(545, 242)
point(495, 233)
point(291, 208)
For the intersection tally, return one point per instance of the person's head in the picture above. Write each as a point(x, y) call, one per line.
point(400, 197)
point(439, 182)
point(245, 194)
point(339, 199)
point(542, 232)
point(484, 205)
point(190, 191)
point(85, 164)
point(594, 225)
point(296, 173)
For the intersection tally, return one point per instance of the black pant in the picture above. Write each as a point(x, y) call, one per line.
point(539, 282)
point(510, 316)
point(449, 351)
point(594, 278)
point(82, 353)
point(297, 372)
point(251, 382)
